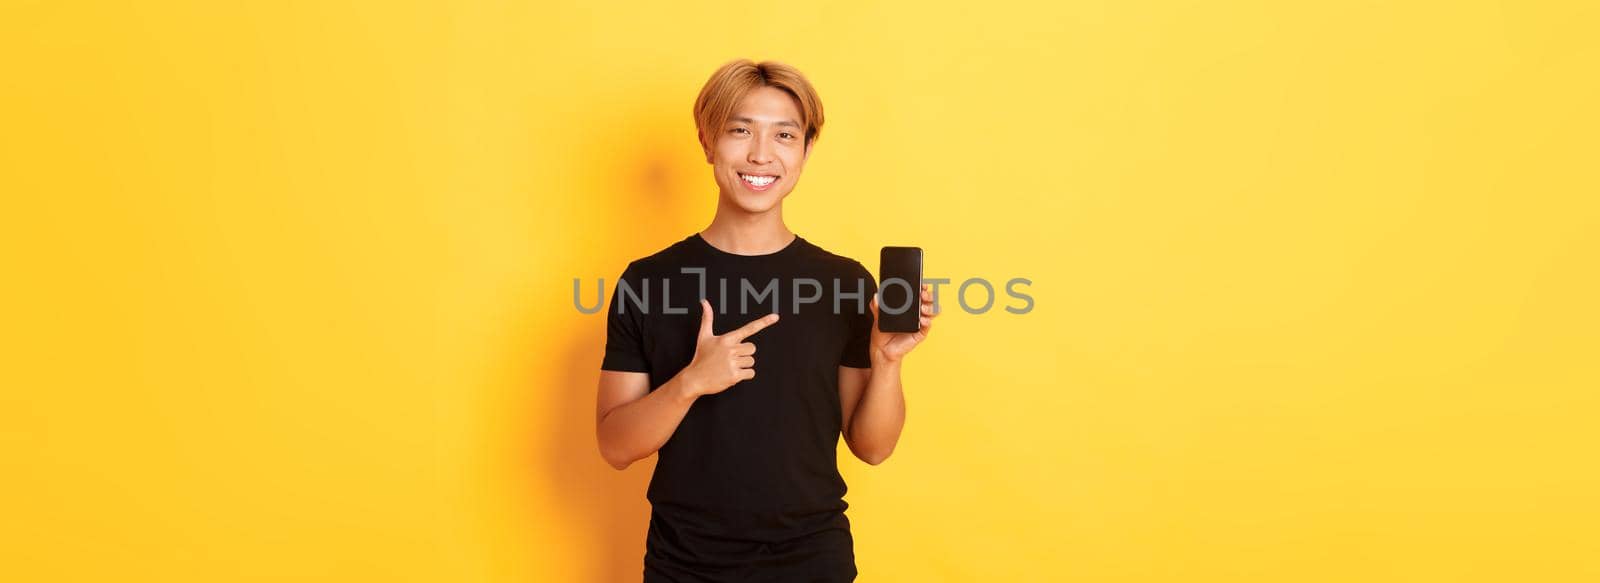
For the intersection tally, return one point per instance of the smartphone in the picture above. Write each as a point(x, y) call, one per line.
point(900, 289)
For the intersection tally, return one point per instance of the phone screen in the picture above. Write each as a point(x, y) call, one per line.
point(899, 282)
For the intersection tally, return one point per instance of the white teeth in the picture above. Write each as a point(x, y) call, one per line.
point(758, 180)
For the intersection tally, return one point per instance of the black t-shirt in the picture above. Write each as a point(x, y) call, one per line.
point(748, 486)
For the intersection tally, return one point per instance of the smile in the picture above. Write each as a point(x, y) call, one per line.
point(758, 182)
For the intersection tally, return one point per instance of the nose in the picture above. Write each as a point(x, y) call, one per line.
point(760, 152)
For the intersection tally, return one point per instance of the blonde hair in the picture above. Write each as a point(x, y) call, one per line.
point(736, 79)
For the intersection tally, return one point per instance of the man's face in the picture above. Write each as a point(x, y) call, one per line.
point(759, 153)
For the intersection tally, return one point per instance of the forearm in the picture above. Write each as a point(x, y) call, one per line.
point(633, 431)
point(880, 415)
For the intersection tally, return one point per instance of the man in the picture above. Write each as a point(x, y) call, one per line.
point(746, 393)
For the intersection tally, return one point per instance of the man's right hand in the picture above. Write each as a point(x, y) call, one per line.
point(722, 361)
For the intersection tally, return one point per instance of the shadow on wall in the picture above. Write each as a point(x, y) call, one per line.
point(658, 202)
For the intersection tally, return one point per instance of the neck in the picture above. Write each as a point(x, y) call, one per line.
point(743, 233)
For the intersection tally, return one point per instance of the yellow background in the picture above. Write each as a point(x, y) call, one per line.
point(288, 284)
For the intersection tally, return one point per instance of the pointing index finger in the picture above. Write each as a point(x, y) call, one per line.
point(753, 327)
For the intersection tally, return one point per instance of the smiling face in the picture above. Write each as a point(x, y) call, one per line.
point(759, 153)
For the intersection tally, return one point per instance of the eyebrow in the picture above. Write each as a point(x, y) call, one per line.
point(784, 122)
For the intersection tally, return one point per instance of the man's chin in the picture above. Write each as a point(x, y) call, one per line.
point(756, 203)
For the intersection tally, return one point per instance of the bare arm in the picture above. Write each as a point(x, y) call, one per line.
point(874, 410)
point(632, 422)
point(873, 399)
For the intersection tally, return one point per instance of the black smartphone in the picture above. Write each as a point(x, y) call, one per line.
point(899, 289)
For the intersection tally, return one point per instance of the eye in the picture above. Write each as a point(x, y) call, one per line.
point(786, 136)
point(739, 130)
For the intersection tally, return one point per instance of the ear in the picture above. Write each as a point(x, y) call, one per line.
point(705, 147)
point(804, 158)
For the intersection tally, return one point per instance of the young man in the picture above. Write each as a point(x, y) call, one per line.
point(743, 352)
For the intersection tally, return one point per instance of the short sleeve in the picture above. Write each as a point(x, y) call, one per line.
point(624, 328)
point(858, 349)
